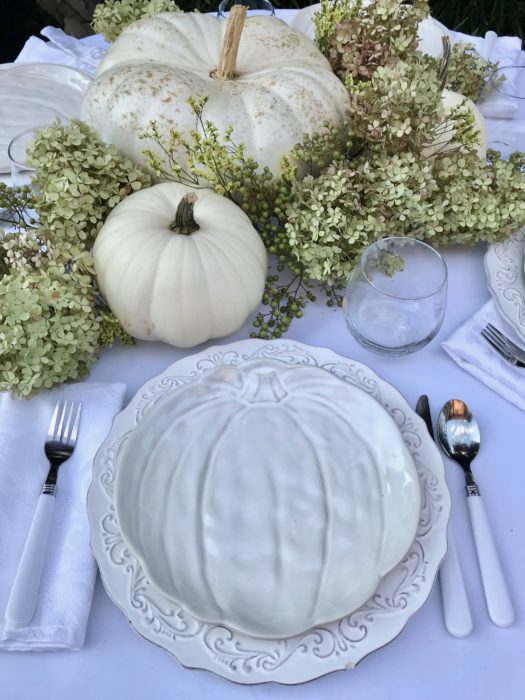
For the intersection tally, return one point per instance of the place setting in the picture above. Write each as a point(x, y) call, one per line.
point(238, 381)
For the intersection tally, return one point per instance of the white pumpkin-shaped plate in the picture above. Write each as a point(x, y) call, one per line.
point(134, 511)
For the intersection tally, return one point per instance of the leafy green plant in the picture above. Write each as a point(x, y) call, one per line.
point(53, 321)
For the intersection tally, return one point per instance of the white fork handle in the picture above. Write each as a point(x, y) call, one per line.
point(456, 609)
point(499, 604)
point(22, 599)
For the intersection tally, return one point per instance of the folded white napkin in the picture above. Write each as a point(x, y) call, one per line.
point(84, 54)
point(68, 578)
point(466, 347)
point(504, 50)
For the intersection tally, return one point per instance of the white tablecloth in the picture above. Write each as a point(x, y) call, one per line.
point(424, 661)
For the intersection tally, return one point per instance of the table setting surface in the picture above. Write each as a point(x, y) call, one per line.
point(424, 660)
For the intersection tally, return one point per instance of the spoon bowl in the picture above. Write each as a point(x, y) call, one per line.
point(458, 433)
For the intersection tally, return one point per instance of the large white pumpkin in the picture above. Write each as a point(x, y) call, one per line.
point(181, 288)
point(283, 86)
point(430, 31)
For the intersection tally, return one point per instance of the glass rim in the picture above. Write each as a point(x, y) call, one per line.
point(16, 137)
point(264, 5)
point(498, 89)
point(406, 297)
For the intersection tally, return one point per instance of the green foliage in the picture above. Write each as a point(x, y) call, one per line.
point(401, 109)
point(378, 34)
point(468, 71)
point(456, 198)
point(81, 179)
point(52, 319)
point(339, 191)
point(112, 16)
point(48, 329)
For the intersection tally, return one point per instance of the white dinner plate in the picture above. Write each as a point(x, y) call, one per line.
point(247, 659)
point(36, 94)
point(504, 269)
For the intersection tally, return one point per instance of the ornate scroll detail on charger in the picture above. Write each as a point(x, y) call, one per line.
point(340, 644)
point(504, 268)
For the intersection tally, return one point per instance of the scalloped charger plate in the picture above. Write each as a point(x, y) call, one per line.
point(504, 269)
point(236, 656)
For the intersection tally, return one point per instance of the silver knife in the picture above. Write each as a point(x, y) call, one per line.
point(456, 609)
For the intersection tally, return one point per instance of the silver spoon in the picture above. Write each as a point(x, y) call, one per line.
point(458, 435)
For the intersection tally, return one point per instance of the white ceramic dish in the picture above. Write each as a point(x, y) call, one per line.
point(504, 269)
point(246, 659)
point(267, 498)
point(36, 94)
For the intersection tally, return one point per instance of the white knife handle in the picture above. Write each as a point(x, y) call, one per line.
point(499, 604)
point(456, 609)
point(22, 599)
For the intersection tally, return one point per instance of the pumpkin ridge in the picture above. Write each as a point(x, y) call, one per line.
point(328, 516)
point(240, 267)
point(313, 81)
point(143, 35)
point(204, 489)
point(128, 276)
point(377, 473)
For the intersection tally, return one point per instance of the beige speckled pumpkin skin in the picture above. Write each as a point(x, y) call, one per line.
point(285, 86)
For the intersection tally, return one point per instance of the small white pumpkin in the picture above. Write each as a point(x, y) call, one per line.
point(278, 87)
point(430, 32)
point(179, 265)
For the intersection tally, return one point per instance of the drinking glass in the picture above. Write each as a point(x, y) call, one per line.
point(395, 299)
point(21, 170)
point(508, 81)
point(255, 7)
point(503, 98)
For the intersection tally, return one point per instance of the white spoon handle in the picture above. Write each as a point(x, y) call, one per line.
point(499, 604)
point(456, 609)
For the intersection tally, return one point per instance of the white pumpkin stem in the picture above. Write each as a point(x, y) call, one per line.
point(230, 44)
point(184, 222)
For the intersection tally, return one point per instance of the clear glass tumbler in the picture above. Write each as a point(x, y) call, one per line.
point(21, 170)
point(504, 98)
point(395, 299)
point(255, 7)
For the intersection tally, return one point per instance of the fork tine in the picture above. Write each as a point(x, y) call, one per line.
point(500, 349)
point(54, 418)
point(72, 437)
point(512, 347)
point(67, 422)
point(60, 427)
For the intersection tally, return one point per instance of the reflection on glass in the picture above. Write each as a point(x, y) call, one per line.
point(255, 7)
point(395, 299)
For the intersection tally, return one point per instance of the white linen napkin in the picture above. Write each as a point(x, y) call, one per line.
point(68, 578)
point(504, 50)
point(466, 347)
point(84, 54)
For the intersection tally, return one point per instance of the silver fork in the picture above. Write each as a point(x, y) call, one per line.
point(503, 345)
point(59, 446)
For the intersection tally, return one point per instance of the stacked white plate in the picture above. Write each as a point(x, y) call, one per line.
point(36, 94)
point(505, 272)
point(268, 511)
